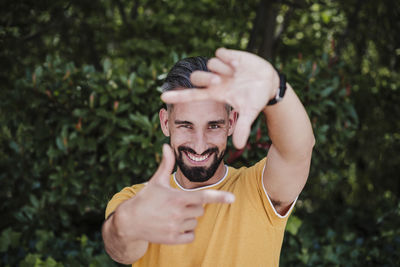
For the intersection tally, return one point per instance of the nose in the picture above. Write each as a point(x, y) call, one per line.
point(199, 142)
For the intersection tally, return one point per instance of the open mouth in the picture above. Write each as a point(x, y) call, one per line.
point(197, 158)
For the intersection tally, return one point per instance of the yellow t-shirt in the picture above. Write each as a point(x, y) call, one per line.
point(248, 232)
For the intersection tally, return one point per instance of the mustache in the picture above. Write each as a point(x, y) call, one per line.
point(188, 149)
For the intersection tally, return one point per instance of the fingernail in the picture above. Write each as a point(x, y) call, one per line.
point(230, 198)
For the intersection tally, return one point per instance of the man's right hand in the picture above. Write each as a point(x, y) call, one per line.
point(162, 214)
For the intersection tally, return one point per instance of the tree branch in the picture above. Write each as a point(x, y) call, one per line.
point(122, 11)
point(134, 10)
point(352, 23)
point(284, 25)
point(251, 46)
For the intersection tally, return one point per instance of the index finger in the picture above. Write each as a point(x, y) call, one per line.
point(229, 56)
point(210, 196)
point(242, 129)
point(186, 95)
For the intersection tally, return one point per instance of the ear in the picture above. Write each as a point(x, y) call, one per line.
point(233, 116)
point(163, 114)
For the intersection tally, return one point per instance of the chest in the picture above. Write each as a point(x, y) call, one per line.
point(227, 235)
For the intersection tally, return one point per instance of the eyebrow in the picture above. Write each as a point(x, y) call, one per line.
point(182, 122)
point(222, 121)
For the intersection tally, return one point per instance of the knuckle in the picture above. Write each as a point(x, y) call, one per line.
point(203, 197)
point(176, 199)
point(170, 238)
point(190, 237)
point(171, 227)
point(176, 214)
point(179, 200)
point(171, 203)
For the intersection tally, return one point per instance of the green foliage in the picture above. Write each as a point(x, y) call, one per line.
point(79, 103)
point(45, 248)
point(71, 136)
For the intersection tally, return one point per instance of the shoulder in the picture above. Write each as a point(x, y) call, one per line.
point(254, 170)
point(243, 176)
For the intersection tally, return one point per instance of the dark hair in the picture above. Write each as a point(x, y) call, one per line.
point(179, 75)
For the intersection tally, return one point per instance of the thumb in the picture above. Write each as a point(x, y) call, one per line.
point(163, 173)
point(242, 130)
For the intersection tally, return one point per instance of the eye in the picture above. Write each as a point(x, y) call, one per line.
point(186, 126)
point(214, 126)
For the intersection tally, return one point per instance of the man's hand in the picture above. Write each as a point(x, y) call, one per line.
point(241, 79)
point(162, 214)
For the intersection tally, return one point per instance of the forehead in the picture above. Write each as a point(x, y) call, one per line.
point(199, 111)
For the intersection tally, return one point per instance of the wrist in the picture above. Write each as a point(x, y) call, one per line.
point(124, 226)
point(117, 222)
point(280, 91)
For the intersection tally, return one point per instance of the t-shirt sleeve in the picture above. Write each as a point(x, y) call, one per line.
point(260, 195)
point(123, 195)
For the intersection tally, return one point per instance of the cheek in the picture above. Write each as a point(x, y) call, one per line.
point(178, 138)
point(219, 139)
point(213, 138)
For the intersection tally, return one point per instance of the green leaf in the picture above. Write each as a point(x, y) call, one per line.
point(60, 143)
point(103, 99)
point(80, 112)
point(14, 146)
point(131, 80)
point(34, 201)
point(107, 65)
point(5, 240)
point(141, 121)
point(293, 225)
point(327, 91)
point(326, 17)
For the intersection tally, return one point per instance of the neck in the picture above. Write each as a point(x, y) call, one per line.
point(187, 184)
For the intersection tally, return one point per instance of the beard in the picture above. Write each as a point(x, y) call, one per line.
point(199, 174)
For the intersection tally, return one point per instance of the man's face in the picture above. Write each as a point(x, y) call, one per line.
point(198, 132)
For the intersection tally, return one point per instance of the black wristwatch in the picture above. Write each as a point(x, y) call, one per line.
point(281, 90)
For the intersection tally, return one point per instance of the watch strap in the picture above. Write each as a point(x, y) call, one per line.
point(281, 90)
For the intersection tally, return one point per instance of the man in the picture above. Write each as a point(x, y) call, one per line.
point(206, 213)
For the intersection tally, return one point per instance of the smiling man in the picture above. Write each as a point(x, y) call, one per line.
point(198, 133)
point(207, 213)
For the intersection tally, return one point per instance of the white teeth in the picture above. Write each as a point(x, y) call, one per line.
point(197, 158)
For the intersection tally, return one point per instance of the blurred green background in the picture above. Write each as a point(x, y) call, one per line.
point(79, 96)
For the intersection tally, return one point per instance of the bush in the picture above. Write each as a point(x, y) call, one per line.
point(70, 138)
